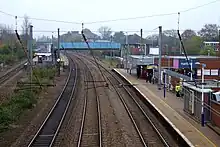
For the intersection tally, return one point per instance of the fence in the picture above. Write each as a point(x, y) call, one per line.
point(193, 106)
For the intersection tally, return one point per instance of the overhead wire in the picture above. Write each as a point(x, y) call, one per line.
point(94, 31)
point(40, 19)
point(155, 15)
point(22, 45)
point(120, 19)
point(87, 43)
point(182, 45)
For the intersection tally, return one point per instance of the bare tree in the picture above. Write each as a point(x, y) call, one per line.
point(6, 35)
point(105, 32)
point(25, 26)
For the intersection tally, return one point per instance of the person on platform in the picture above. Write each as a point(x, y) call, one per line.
point(178, 90)
point(150, 77)
point(138, 72)
point(147, 77)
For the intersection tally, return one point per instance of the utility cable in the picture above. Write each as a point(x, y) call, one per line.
point(22, 45)
point(120, 19)
point(155, 15)
point(182, 45)
point(84, 37)
point(94, 31)
point(41, 19)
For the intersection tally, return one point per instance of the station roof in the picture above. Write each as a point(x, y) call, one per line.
point(43, 54)
point(207, 87)
point(139, 56)
point(189, 57)
point(175, 57)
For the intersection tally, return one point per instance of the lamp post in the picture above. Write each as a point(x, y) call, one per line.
point(58, 64)
point(191, 72)
point(202, 111)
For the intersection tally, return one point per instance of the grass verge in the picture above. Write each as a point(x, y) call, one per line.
point(23, 98)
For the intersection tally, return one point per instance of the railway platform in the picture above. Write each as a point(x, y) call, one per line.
point(171, 108)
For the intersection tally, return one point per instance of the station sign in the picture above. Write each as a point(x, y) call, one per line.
point(182, 63)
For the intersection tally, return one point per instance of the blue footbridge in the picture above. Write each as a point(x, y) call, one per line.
point(93, 46)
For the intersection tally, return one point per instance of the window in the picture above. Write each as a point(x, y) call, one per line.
point(207, 72)
point(198, 72)
point(214, 72)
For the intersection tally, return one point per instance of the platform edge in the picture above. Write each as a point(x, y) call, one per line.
point(167, 119)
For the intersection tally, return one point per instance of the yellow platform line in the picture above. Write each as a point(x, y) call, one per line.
point(165, 104)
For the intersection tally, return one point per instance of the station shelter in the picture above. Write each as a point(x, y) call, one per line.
point(140, 63)
point(192, 96)
point(146, 69)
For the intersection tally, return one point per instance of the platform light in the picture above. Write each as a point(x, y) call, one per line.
point(202, 111)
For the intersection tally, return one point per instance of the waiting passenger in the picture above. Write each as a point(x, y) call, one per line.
point(178, 90)
point(147, 77)
point(150, 77)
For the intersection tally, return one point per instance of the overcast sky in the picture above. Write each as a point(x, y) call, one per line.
point(97, 10)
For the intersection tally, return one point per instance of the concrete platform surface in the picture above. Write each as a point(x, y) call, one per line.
point(172, 110)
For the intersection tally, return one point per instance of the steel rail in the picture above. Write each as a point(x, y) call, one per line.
point(48, 139)
point(84, 110)
point(146, 116)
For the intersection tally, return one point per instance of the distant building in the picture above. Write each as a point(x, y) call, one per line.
point(154, 51)
point(214, 44)
point(44, 47)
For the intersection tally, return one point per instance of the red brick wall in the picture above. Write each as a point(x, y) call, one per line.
point(211, 63)
point(216, 89)
point(210, 77)
point(215, 118)
point(164, 62)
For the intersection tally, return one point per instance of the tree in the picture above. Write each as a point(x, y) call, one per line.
point(7, 35)
point(208, 50)
point(105, 32)
point(119, 37)
point(171, 33)
point(188, 34)
point(193, 45)
point(209, 32)
point(25, 26)
point(153, 39)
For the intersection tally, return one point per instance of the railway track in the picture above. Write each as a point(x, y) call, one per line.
point(11, 73)
point(109, 132)
point(90, 133)
point(146, 128)
point(49, 129)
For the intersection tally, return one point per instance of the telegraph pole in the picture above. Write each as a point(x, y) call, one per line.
point(111, 50)
point(52, 50)
point(30, 54)
point(160, 50)
point(141, 40)
point(219, 43)
point(127, 52)
point(58, 47)
point(179, 29)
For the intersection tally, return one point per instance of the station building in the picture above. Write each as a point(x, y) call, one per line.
point(177, 69)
